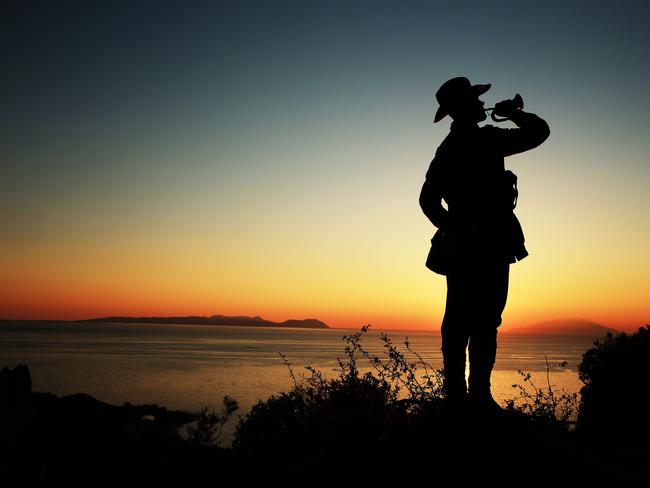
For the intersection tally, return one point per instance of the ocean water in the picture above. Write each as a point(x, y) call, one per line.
point(189, 366)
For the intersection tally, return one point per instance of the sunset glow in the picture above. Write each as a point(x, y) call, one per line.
point(278, 173)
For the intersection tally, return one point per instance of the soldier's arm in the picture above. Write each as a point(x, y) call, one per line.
point(531, 131)
point(431, 197)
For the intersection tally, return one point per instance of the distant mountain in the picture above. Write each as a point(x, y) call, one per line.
point(216, 320)
point(565, 327)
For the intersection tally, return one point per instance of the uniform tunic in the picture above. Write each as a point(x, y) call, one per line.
point(469, 174)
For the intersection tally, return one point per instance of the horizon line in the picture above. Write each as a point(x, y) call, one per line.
point(434, 331)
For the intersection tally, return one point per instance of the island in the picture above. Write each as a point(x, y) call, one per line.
point(576, 327)
point(242, 320)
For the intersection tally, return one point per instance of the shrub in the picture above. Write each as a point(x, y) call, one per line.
point(400, 399)
point(208, 428)
point(543, 403)
point(616, 392)
point(317, 412)
point(368, 426)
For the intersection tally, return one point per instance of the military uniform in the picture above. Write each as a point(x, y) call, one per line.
point(478, 238)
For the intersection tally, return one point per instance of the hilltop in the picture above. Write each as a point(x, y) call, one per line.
point(565, 327)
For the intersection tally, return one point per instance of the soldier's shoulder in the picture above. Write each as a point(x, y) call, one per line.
point(493, 133)
point(438, 163)
point(447, 145)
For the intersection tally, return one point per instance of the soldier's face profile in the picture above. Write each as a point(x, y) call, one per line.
point(470, 110)
point(481, 110)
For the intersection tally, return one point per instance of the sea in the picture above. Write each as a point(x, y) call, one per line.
point(190, 366)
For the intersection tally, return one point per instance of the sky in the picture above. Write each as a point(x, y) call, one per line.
point(266, 158)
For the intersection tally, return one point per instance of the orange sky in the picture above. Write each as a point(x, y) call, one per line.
point(348, 259)
point(205, 171)
point(326, 251)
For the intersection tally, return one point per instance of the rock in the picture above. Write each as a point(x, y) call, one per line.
point(15, 387)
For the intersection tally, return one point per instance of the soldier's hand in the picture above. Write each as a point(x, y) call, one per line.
point(507, 108)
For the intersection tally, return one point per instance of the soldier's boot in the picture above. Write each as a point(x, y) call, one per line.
point(454, 385)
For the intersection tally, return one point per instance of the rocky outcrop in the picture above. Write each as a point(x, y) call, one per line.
point(15, 397)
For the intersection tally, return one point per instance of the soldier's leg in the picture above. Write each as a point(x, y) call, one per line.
point(491, 300)
point(482, 356)
point(455, 336)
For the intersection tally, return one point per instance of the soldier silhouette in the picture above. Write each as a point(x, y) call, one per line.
point(478, 234)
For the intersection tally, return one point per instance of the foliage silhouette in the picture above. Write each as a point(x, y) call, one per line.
point(208, 428)
point(396, 415)
point(544, 404)
point(318, 412)
point(379, 428)
point(395, 397)
point(616, 392)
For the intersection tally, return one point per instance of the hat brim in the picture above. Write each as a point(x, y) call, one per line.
point(481, 89)
point(441, 113)
point(478, 90)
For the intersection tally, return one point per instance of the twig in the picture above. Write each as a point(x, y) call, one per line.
point(288, 365)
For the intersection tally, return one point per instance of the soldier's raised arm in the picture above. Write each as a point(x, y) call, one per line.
point(531, 131)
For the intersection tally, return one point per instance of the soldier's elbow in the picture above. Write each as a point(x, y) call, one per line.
point(422, 203)
point(540, 134)
point(423, 199)
point(545, 131)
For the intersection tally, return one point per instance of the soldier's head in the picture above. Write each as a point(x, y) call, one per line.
point(459, 99)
